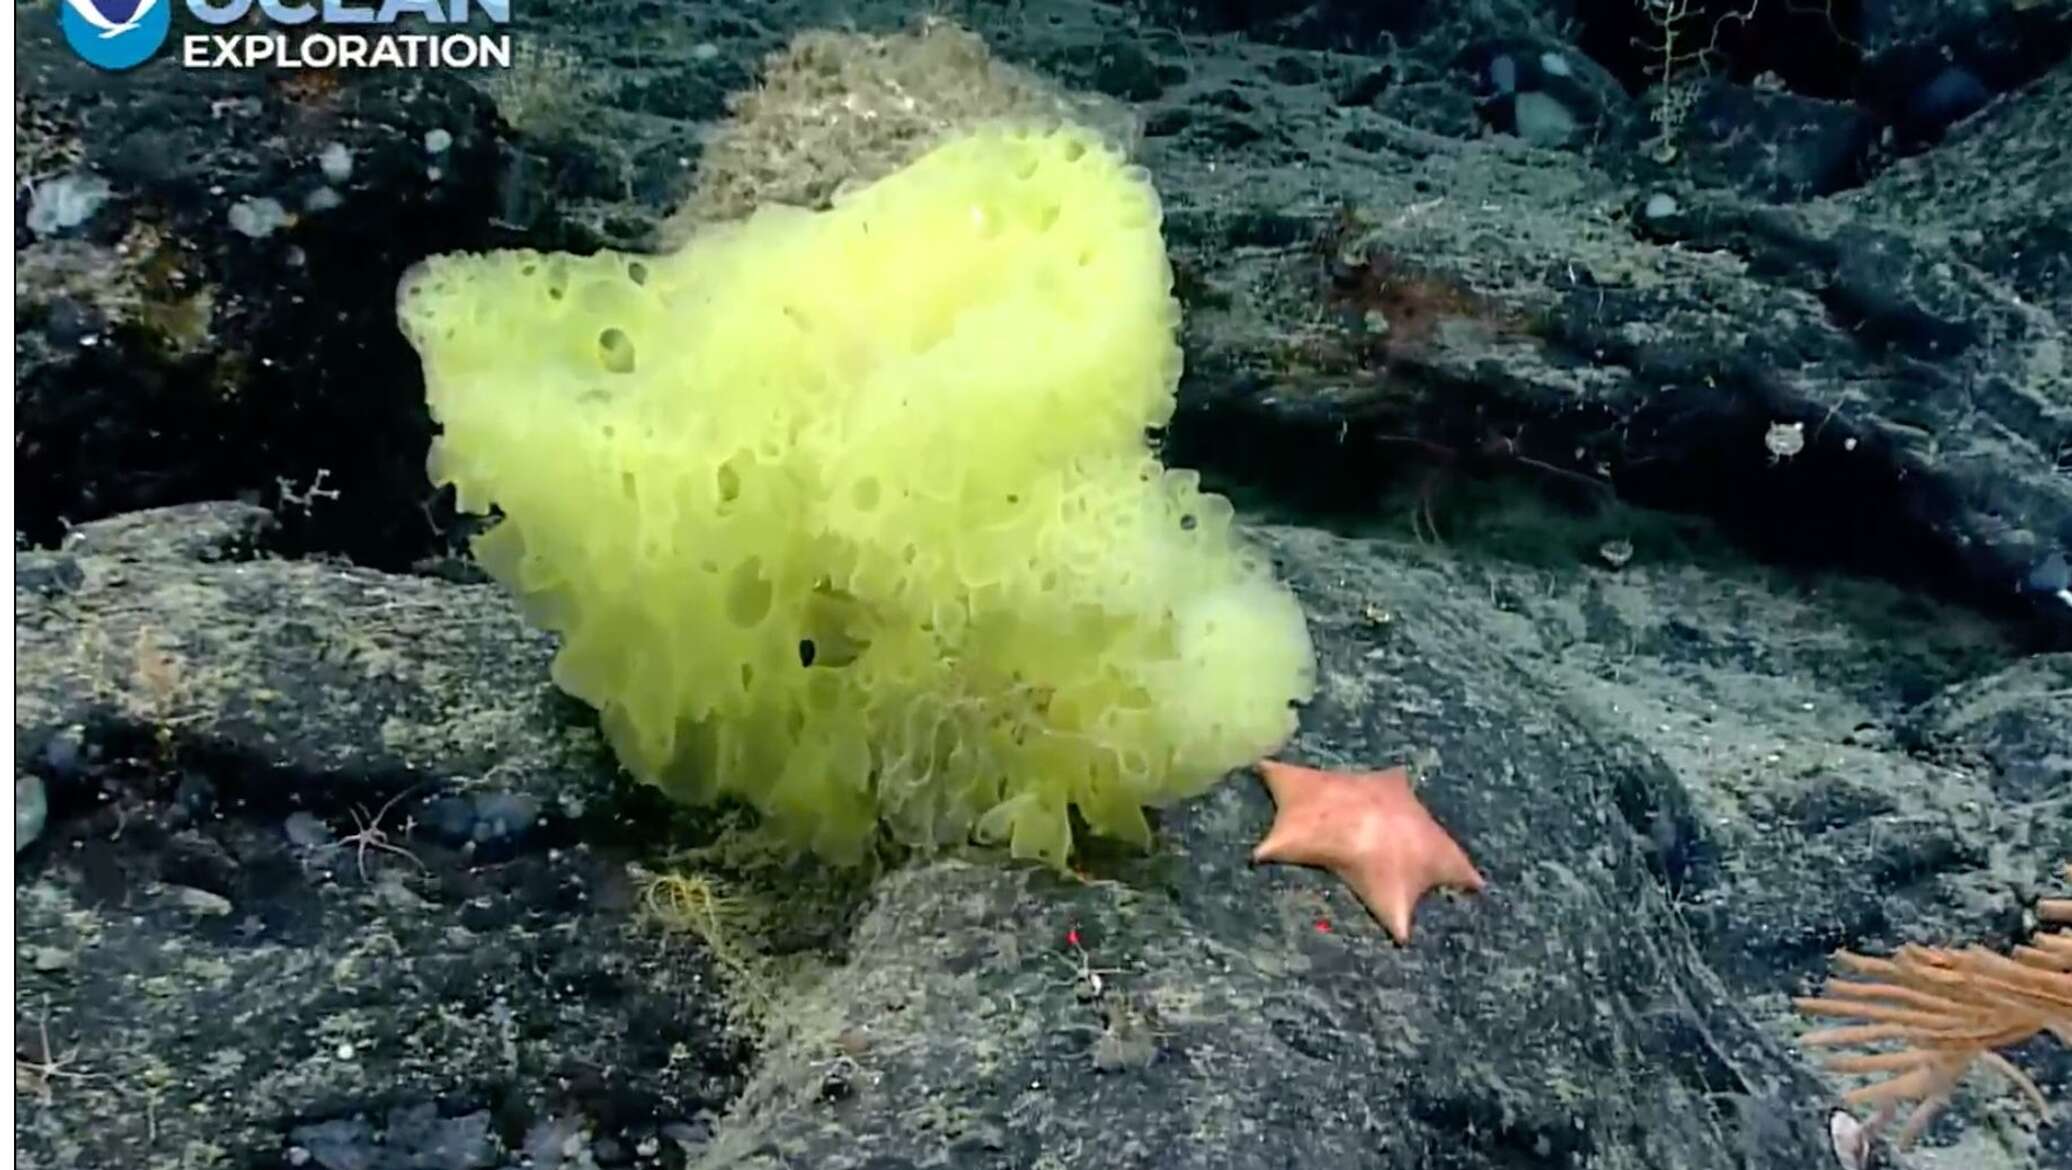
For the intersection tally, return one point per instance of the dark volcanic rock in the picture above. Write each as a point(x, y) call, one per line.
point(1259, 1018)
point(234, 930)
point(1874, 380)
point(1775, 146)
point(1587, 735)
point(2011, 725)
point(222, 322)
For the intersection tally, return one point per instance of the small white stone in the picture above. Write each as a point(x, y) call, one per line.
point(257, 218)
point(1784, 440)
point(336, 162)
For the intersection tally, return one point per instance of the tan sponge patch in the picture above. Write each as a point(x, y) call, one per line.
point(851, 514)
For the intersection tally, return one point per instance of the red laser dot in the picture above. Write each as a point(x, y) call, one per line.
point(1323, 926)
point(1072, 937)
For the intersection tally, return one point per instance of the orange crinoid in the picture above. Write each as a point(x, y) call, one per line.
point(1945, 1009)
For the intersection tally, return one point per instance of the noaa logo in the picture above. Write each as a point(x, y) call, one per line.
point(115, 34)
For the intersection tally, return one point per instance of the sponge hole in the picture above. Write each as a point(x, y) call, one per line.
point(615, 351)
point(637, 272)
point(748, 595)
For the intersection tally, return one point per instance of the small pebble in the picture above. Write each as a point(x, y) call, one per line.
point(61, 753)
point(336, 162)
point(51, 959)
point(504, 814)
point(257, 218)
point(1542, 119)
point(1784, 440)
point(1503, 73)
point(63, 203)
point(201, 902)
point(306, 830)
point(31, 809)
point(2051, 574)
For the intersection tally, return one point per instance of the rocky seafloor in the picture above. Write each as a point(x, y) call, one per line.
point(1690, 510)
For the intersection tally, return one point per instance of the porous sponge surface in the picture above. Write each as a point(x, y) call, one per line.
point(852, 514)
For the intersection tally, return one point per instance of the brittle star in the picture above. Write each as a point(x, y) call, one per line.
point(48, 1065)
point(370, 835)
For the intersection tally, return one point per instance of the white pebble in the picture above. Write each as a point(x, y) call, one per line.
point(31, 807)
point(257, 218)
point(1785, 440)
point(336, 162)
point(66, 202)
point(1503, 73)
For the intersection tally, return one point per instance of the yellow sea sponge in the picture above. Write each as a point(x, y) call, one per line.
point(852, 514)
